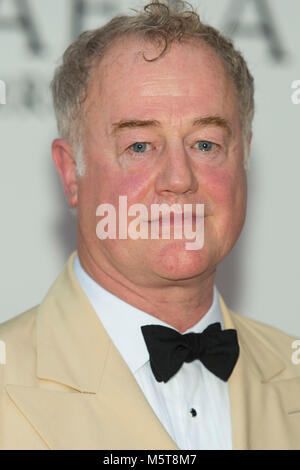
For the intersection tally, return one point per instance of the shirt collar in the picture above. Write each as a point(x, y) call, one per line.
point(123, 321)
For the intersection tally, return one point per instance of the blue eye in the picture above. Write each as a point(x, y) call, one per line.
point(139, 147)
point(205, 146)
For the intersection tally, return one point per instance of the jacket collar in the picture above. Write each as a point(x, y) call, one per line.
point(74, 352)
point(258, 364)
point(63, 351)
point(67, 310)
point(262, 358)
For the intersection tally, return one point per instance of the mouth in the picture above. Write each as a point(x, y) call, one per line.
point(177, 219)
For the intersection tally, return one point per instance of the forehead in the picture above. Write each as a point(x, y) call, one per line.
point(189, 75)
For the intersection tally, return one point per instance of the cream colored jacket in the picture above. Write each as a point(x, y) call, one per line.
point(65, 386)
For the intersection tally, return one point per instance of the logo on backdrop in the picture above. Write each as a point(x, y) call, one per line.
point(264, 27)
point(29, 88)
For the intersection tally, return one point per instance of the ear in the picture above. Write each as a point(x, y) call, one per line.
point(249, 143)
point(247, 148)
point(66, 166)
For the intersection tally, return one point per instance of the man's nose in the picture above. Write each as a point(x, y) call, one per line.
point(177, 173)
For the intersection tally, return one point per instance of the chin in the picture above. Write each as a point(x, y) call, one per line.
point(175, 262)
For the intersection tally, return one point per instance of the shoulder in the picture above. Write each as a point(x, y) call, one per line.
point(261, 329)
point(18, 346)
point(260, 338)
point(20, 327)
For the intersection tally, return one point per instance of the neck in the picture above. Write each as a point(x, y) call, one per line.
point(179, 304)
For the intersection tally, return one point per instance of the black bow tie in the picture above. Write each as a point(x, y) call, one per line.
point(217, 349)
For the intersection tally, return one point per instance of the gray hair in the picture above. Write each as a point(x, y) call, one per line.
point(156, 22)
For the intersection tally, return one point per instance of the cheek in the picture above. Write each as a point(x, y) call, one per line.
point(132, 184)
point(220, 186)
point(226, 192)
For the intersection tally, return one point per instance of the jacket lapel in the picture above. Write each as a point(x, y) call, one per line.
point(84, 396)
point(264, 393)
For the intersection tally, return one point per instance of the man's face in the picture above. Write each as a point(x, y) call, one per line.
point(172, 164)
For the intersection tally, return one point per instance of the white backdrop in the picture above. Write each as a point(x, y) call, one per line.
point(260, 278)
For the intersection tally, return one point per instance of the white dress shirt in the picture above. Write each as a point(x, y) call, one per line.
point(193, 405)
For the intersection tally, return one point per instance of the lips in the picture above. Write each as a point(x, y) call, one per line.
point(176, 219)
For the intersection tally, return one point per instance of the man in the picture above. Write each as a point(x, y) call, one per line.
point(156, 107)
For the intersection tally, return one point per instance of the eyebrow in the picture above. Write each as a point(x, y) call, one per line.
point(198, 122)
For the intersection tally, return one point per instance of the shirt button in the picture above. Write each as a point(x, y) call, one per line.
point(193, 412)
